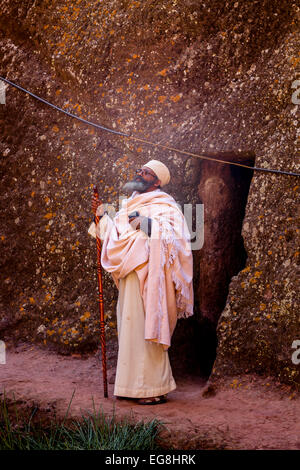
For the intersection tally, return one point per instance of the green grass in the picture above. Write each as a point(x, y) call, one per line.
point(92, 432)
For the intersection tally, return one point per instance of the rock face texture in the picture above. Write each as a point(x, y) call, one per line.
point(213, 78)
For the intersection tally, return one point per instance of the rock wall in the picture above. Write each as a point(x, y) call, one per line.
point(213, 78)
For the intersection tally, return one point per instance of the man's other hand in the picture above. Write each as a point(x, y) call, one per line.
point(97, 206)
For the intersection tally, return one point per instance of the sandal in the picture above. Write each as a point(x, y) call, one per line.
point(124, 398)
point(152, 400)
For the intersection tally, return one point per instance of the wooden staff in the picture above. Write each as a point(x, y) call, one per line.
point(101, 306)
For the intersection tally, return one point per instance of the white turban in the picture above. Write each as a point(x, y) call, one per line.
point(160, 170)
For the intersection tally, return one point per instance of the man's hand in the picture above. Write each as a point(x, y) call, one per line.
point(141, 223)
point(135, 222)
point(97, 206)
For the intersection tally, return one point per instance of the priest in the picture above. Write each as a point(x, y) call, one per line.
point(146, 248)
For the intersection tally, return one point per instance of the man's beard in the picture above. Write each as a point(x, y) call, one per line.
point(138, 184)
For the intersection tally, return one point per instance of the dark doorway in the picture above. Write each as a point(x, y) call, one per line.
point(223, 190)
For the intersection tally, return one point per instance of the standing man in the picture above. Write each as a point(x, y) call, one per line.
point(146, 248)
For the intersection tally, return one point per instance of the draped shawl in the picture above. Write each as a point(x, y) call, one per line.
point(163, 261)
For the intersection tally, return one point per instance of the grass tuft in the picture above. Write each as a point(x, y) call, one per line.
point(93, 431)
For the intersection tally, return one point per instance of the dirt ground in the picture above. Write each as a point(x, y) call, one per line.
point(246, 412)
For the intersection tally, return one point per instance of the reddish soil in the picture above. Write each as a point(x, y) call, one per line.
point(246, 412)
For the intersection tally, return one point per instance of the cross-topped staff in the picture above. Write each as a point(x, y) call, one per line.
point(101, 306)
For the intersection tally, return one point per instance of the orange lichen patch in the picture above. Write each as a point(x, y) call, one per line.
point(78, 106)
point(246, 270)
point(50, 332)
point(55, 129)
point(151, 111)
point(49, 215)
point(85, 316)
point(258, 273)
point(176, 98)
point(146, 87)
point(162, 98)
point(31, 300)
point(119, 90)
point(162, 73)
point(295, 61)
point(234, 383)
point(262, 307)
point(47, 297)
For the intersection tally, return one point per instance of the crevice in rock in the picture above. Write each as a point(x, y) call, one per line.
point(223, 189)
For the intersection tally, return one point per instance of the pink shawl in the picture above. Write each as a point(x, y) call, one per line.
point(163, 262)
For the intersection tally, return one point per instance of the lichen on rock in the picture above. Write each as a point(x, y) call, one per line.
point(212, 78)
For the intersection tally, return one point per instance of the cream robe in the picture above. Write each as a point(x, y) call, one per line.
point(143, 368)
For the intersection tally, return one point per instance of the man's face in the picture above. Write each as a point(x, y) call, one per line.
point(145, 180)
